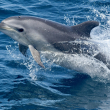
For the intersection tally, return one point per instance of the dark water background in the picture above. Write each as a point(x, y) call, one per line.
point(26, 86)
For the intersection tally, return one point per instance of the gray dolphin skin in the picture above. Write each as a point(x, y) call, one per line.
point(39, 34)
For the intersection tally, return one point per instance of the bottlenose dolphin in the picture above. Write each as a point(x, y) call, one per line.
point(39, 34)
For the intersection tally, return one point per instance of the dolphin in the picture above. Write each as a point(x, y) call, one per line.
point(40, 34)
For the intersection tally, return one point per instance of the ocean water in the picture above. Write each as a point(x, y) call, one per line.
point(26, 86)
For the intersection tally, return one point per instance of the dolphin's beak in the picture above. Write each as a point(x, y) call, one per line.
point(3, 26)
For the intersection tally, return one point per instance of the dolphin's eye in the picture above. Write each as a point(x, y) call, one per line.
point(20, 30)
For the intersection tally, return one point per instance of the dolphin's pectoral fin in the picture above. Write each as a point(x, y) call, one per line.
point(23, 49)
point(85, 28)
point(36, 55)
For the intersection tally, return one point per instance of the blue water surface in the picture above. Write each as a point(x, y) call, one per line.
point(26, 86)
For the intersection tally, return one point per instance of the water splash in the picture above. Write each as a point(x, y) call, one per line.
point(100, 34)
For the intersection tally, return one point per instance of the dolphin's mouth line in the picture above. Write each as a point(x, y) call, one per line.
point(7, 28)
point(4, 26)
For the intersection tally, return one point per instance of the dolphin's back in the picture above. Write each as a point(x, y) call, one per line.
point(81, 30)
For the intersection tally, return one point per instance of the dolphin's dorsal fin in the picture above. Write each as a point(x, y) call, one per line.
point(36, 55)
point(85, 28)
point(23, 49)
